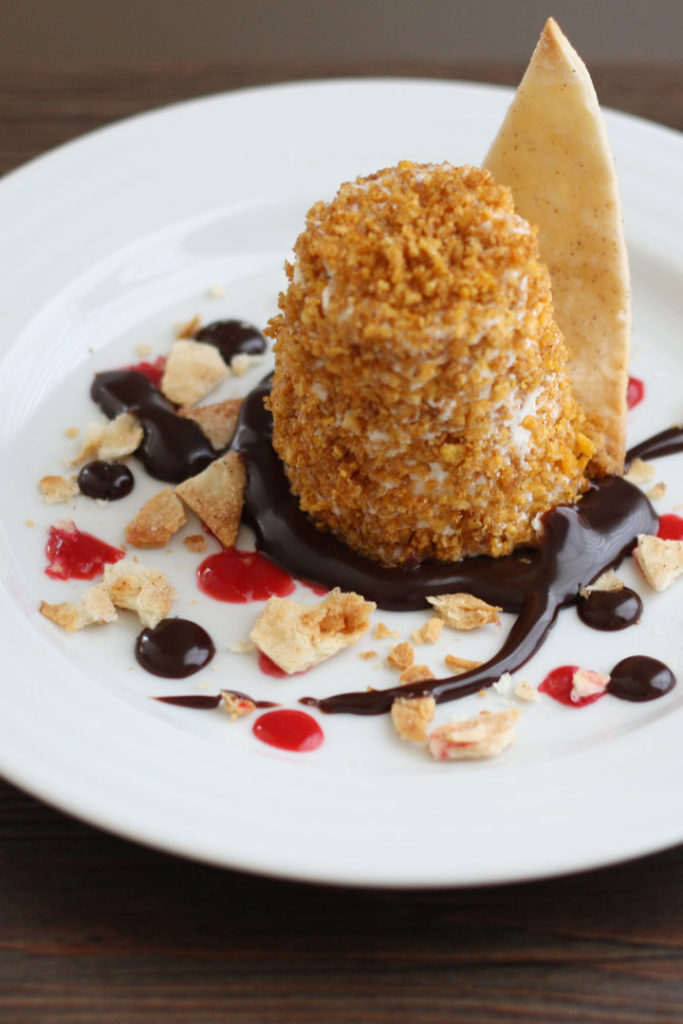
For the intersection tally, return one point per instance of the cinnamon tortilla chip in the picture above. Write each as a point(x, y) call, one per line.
point(552, 151)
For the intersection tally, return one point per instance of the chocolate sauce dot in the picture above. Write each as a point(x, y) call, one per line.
point(176, 648)
point(106, 480)
point(610, 609)
point(640, 678)
point(232, 338)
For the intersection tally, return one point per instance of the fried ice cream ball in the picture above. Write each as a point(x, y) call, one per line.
point(421, 402)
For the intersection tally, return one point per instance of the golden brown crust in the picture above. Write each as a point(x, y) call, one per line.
point(420, 398)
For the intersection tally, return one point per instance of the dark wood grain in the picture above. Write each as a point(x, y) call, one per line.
point(97, 929)
point(42, 107)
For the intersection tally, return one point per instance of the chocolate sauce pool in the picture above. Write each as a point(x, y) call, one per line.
point(580, 542)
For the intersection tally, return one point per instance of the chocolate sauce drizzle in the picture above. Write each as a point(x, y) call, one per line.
point(173, 447)
point(579, 543)
point(207, 702)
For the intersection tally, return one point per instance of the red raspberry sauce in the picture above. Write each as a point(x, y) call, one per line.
point(269, 668)
point(670, 527)
point(288, 730)
point(635, 392)
point(152, 371)
point(74, 555)
point(558, 685)
point(241, 576)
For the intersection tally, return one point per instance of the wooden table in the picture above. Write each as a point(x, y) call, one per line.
point(93, 928)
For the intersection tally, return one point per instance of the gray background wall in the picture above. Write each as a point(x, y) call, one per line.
point(87, 32)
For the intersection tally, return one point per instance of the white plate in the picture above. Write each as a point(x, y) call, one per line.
point(106, 244)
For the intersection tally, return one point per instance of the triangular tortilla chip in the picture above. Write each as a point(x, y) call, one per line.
point(552, 151)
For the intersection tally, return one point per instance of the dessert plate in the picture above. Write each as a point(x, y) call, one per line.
point(107, 243)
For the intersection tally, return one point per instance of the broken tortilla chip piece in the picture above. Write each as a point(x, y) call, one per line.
point(297, 636)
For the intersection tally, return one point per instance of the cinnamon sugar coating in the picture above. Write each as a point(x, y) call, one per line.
point(421, 402)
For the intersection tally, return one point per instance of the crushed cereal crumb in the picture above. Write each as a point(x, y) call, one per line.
point(401, 655)
point(382, 632)
point(58, 489)
point(429, 633)
point(415, 674)
point(464, 611)
point(196, 542)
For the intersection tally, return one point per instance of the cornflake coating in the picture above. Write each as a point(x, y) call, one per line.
point(216, 495)
point(217, 421)
point(58, 489)
point(487, 735)
point(94, 608)
point(113, 439)
point(157, 521)
point(464, 611)
point(660, 561)
point(193, 369)
point(421, 402)
point(141, 589)
point(297, 636)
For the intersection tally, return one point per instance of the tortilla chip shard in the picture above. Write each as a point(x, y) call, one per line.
point(552, 151)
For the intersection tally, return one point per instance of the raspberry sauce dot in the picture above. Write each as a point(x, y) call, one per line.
point(289, 730)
